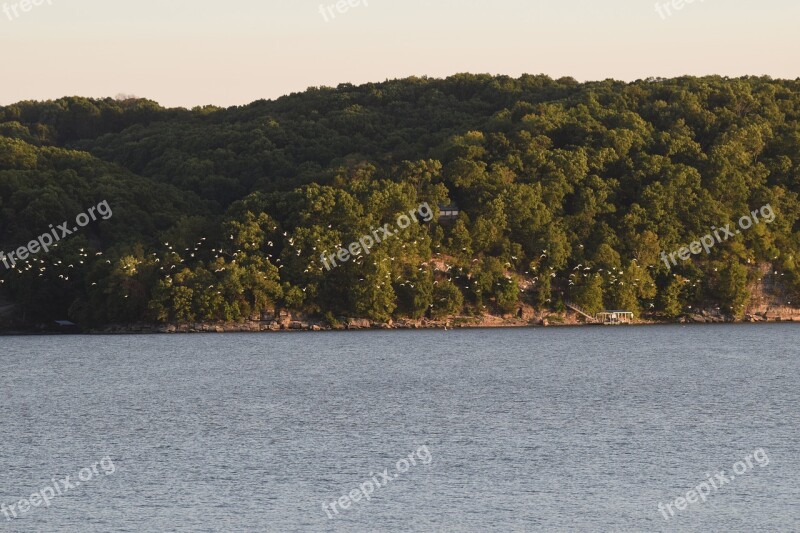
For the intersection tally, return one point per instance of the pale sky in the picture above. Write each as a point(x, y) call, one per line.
point(231, 52)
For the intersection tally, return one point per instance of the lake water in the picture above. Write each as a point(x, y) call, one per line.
point(576, 429)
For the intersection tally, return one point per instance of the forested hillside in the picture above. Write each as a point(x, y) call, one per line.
point(566, 191)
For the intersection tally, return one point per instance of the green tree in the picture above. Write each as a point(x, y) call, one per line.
point(447, 299)
point(669, 300)
point(589, 294)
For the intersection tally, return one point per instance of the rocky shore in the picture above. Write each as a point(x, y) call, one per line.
point(285, 321)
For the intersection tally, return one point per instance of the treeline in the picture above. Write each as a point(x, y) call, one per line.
point(566, 191)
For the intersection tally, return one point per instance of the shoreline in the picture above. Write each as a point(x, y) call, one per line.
point(289, 324)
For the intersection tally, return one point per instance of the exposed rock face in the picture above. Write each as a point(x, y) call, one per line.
point(358, 323)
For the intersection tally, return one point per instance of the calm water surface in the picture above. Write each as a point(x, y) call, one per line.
point(527, 429)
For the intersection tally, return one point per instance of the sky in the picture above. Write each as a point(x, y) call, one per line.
point(198, 52)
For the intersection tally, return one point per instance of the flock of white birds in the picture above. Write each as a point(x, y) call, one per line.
point(611, 276)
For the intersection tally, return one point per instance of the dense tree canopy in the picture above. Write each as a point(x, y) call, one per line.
point(566, 191)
